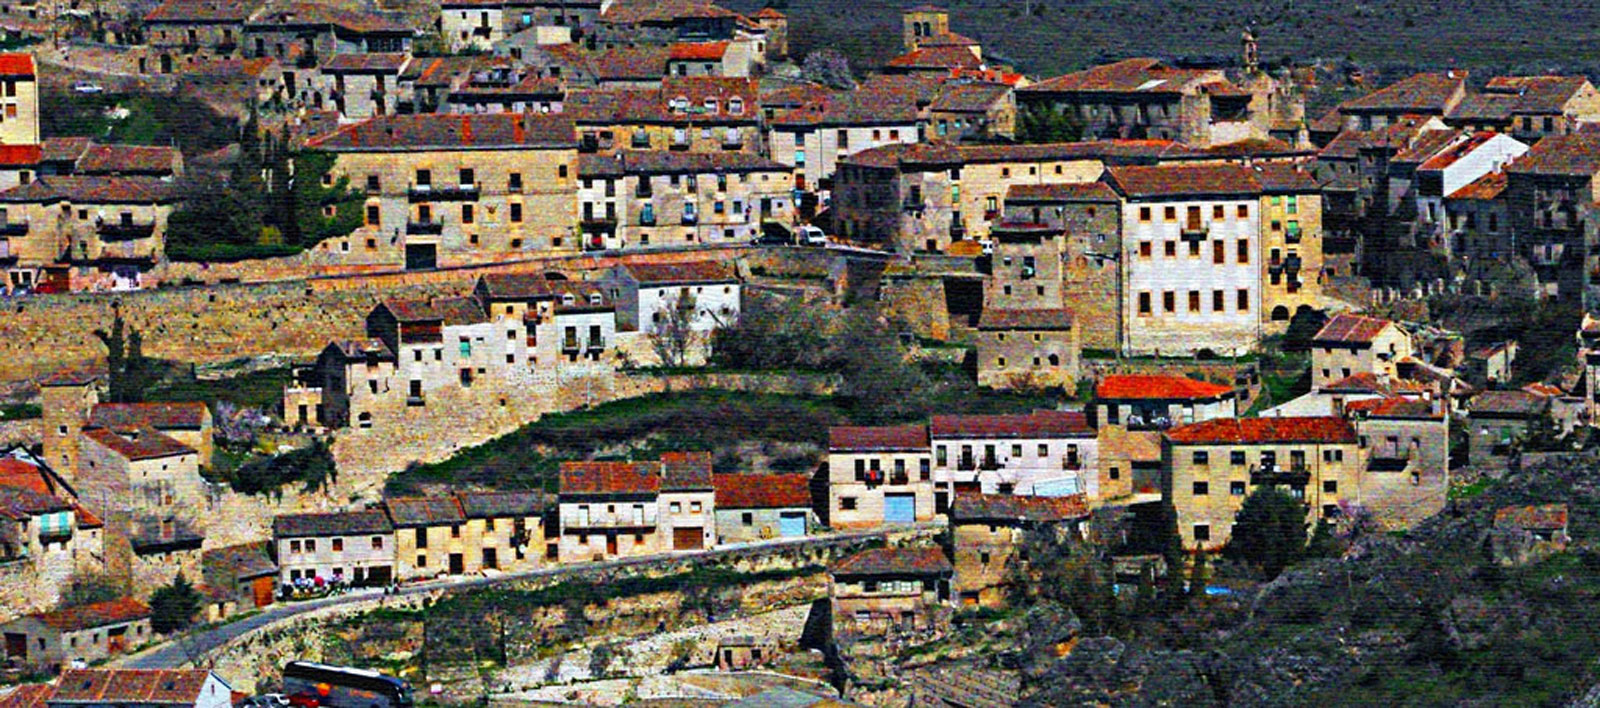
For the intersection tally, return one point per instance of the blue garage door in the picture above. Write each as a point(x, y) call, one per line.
point(791, 524)
point(899, 508)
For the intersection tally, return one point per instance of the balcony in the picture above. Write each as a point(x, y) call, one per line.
point(124, 230)
point(595, 345)
point(569, 345)
point(14, 228)
point(55, 535)
point(989, 464)
point(958, 232)
point(690, 218)
point(1193, 231)
point(482, 31)
point(425, 228)
point(991, 214)
point(646, 519)
point(443, 193)
point(647, 219)
point(1275, 475)
point(1072, 464)
point(1385, 459)
point(966, 464)
point(901, 479)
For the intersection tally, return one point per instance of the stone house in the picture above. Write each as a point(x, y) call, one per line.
point(646, 293)
point(19, 86)
point(1526, 534)
point(1060, 244)
point(457, 189)
point(657, 199)
point(721, 59)
point(565, 320)
point(1529, 107)
point(358, 86)
point(777, 30)
point(428, 537)
point(1478, 219)
point(1044, 453)
point(46, 537)
point(987, 531)
point(1496, 360)
point(757, 507)
point(168, 688)
point(358, 546)
point(973, 111)
point(1497, 422)
point(1209, 468)
point(139, 471)
point(481, 24)
point(1405, 443)
point(160, 548)
point(1547, 192)
point(698, 114)
point(879, 475)
point(1158, 402)
point(743, 652)
point(815, 138)
point(245, 572)
point(1352, 344)
point(183, 32)
point(467, 533)
point(1192, 257)
point(52, 640)
point(1028, 348)
point(1130, 464)
point(1426, 94)
point(626, 509)
point(1146, 99)
point(83, 232)
point(1291, 243)
point(512, 526)
point(299, 33)
point(883, 592)
point(1449, 171)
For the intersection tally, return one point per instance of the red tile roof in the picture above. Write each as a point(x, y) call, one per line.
point(610, 477)
point(1180, 180)
point(133, 687)
point(141, 444)
point(128, 159)
point(1260, 431)
point(682, 273)
point(697, 51)
point(99, 614)
point(16, 64)
point(1363, 382)
point(408, 512)
point(1038, 424)
point(445, 310)
point(1421, 93)
point(894, 561)
point(1071, 191)
point(435, 131)
point(161, 416)
point(337, 523)
point(16, 474)
point(1041, 319)
point(1537, 94)
point(20, 155)
point(1542, 516)
point(1394, 407)
point(763, 491)
point(1146, 76)
point(1012, 508)
point(768, 13)
point(21, 504)
point(885, 438)
point(202, 11)
point(1573, 155)
point(1449, 156)
point(1350, 329)
point(686, 470)
point(1485, 188)
point(32, 695)
point(1152, 386)
point(949, 56)
point(92, 189)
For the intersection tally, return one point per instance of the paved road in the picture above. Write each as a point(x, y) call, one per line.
point(177, 653)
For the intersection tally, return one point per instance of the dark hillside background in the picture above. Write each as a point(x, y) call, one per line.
point(1062, 35)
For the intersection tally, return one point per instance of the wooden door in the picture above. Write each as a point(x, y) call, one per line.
point(690, 538)
point(261, 591)
point(458, 564)
point(611, 544)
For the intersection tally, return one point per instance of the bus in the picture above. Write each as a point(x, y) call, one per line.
point(343, 686)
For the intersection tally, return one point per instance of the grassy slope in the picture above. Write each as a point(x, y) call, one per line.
point(1065, 34)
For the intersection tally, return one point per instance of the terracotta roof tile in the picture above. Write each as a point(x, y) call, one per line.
point(1346, 328)
point(445, 310)
point(378, 63)
point(1540, 517)
point(1152, 386)
point(1363, 382)
point(86, 189)
point(1009, 508)
point(20, 155)
point(887, 438)
point(161, 416)
point(763, 491)
point(500, 505)
point(1179, 180)
point(436, 131)
point(1030, 320)
point(1519, 404)
point(1426, 146)
point(893, 561)
point(1281, 178)
point(99, 614)
point(139, 444)
point(686, 470)
point(1068, 192)
point(65, 149)
point(16, 474)
point(1575, 155)
point(1258, 431)
point(682, 273)
point(20, 504)
point(1148, 76)
point(242, 561)
point(339, 523)
point(1485, 188)
point(32, 695)
point(1394, 407)
point(408, 512)
point(697, 51)
point(661, 11)
point(1421, 93)
point(970, 97)
point(203, 11)
point(166, 687)
point(768, 13)
point(17, 64)
point(1537, 94)
point(1038, 424)
point(949, 56)
point(1484, 108)
point(611, 477)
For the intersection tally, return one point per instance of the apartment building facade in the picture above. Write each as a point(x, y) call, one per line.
point(639, 200)
point(879, 475)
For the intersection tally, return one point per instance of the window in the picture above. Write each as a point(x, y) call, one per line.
point(1216, 300)
point(1170, 213)
point(561, 171)
point(1144, 303)
point(311, 545)
point(466, 213)
point(1194, 300)
point(1218, 213)
point(1169, 301)
point(694, 507)
point(1202, 489)
point(1236, 488)
point(1144, 249)
point(1144, 214)
point(1330, 487)
point(1171, 249)
point(1244, 211)
point(516, 212)
point(677, 507)
point(372, 215)
point(467, 177)
point(294, 546)
point(1219, 253)
point(1244, 251)
point(847, 503)
point(1201, 457)
point(372, 183)
point(1244, 300)
point(514, 182)
point(338, 545)
point(377, 543)
point(1236, 457)
point(1202, 532)
point(1044, 450)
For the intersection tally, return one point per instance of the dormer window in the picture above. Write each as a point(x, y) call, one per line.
point(680, 104)
point(711, 105)
point(736, 106)
point(594, 298)
point(567, 299)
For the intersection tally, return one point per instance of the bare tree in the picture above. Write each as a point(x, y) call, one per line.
point(673, 334)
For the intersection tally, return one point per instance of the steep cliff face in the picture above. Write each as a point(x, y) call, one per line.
point(1436, 616)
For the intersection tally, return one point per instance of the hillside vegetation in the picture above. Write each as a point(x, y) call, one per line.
point(1061, 35)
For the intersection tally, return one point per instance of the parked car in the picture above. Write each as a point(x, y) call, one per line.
point(812, 236)
point(87, 87)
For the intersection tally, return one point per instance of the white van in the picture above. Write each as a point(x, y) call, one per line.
point(809, 235)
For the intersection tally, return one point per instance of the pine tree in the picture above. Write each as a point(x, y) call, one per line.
point(173, 607)
point(1269, 531)
point(1197, 575)
point(130, 373)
